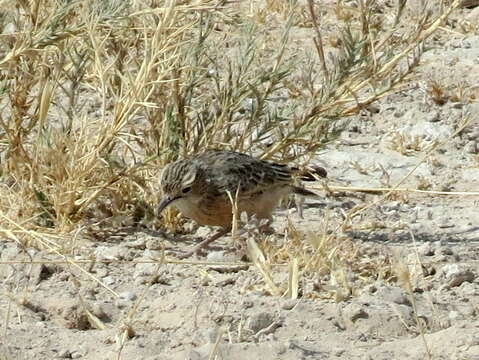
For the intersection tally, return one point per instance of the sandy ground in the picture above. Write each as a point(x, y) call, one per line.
point(184, 311)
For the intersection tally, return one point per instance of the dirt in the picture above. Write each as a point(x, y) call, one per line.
point(143, 309)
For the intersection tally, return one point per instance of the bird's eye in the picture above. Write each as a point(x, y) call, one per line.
point(186, 190)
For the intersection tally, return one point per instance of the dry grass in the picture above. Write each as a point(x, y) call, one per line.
point(96, 99)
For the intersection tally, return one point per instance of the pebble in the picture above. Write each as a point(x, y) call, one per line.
point(128, 295)
point(225, 282)
point(393, 294)
point(247, 304)
point(471, 147)
point(426, 249)
point(136, 244)
point(221, 256)
point(289, 304)
point(433, 116)
point(473, 16)
point(154, 244)
point(212, 334)
point(453, 315)
point(354, 312)
point(76, 355)
point(260, 321)
point(216, 256)
point(152, 254)
point(111, 253)
point(468, 311)
point(98, 311)
point(445, 223)
point(474, 341)
point(446, 251)
point(145, 269)
point(64, 354)
point(108, 280)
point(470, 289)
point(456, 274)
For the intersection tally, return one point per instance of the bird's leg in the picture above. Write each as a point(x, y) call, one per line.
point(204, 243)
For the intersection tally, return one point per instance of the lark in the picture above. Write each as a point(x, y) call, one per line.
point(203, 186)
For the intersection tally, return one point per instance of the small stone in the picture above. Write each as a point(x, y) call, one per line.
point(76, 355)
point(247, 104)
point(369, 289)
point(152, 254)
point(456, 274)
point(281, 348)
point(101, 271)
point(40, 272)
point(128, 295)
point(247, 304)
point(393, 294)
point(108, 280)
point(145, 269)
point(136, 244)
point(225, 282)
point(98, 311)
point(468, 311)
point(122, 304)
point(354, 312)
point(474, 341)
point(222, 257)
point(216, 256)
point(289, 304)
point(453, 315)
point(392, 206)
point(111, 253)
point(9, 253)
point(469, 289)
point(433, 116)
point(154, 244)
point(473, 16)
point(9, 28)
point(260, 321)
point(65, 354)
point(426, 249)
point(471, 147)
point(446, 251)
point(212, 334)
point(445, 223)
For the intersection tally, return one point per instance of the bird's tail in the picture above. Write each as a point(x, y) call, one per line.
point(312, 173)
point(302, 191)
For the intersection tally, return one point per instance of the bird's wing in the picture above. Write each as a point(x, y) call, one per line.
point(230, 171)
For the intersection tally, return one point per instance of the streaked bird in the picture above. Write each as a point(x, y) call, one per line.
point(198, 187)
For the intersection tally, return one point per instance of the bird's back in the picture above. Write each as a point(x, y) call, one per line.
point(232, 171)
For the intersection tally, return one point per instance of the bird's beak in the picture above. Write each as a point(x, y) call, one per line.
point(164, 202)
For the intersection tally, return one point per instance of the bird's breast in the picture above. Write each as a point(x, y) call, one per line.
point(216, 210)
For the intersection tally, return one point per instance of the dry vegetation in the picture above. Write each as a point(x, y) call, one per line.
point(97, 96)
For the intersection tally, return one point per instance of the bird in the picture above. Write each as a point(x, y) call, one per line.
point(203, 186)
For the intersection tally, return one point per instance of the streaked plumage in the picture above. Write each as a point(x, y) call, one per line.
point(198, 186)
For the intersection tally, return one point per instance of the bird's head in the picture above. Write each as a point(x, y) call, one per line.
point(177, 182)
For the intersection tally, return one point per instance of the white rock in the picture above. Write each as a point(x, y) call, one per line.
point(456, 274)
